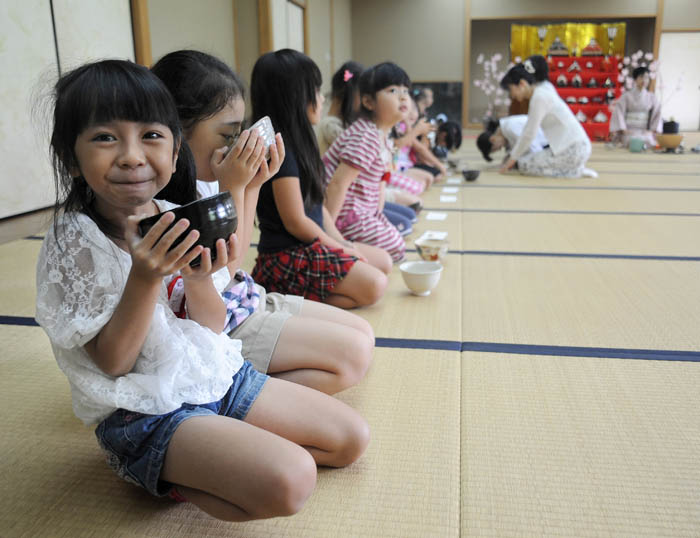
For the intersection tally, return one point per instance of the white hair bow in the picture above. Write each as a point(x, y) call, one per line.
point(529, 67)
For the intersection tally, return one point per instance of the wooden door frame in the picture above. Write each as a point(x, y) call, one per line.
point(265, 24)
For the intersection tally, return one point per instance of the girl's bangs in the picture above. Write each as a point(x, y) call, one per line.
point(390, 74)
point(108, 94)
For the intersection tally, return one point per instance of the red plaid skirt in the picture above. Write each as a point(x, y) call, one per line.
point(311, 271)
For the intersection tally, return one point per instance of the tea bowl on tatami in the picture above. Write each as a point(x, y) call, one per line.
point(432, 250)
point(214, 218)
point(421, 277)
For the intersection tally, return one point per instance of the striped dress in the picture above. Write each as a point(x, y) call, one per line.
point(361, 146)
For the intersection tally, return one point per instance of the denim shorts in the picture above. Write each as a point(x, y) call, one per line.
point(135, 444)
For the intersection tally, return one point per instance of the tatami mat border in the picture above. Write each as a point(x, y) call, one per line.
point(18, 320)
point(646, 173)
point(690, 154)
point(582, 187)
point(574, 351)
point(406, 343)
point(563, 255)
point(563, 212)
point(495, 347)
point(533, 349)
point(570, 255)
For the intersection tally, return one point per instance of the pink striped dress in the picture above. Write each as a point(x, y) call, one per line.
point(361, 146)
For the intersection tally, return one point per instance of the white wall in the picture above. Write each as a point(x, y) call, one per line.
point(342, 33)
point(426, 38)
point(248, 37)
point(184, 24)
point(679, 14)
point(319, 17)
point(679, 84)
point(92, 30)
point(85, 30)
point(287, 25)
point(549, 8)
point(27, 54)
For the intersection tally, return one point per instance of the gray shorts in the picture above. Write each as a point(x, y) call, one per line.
point(261, 330)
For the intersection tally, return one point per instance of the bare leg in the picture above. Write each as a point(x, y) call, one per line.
point(363, 285)
point(377, 257)
point(239, 471)
point(420, 175)
point(406, 198)
point(324, 348)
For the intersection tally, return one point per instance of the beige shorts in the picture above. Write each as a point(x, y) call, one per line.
point(261, 330)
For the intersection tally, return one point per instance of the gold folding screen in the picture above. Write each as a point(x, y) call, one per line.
point(526, 40)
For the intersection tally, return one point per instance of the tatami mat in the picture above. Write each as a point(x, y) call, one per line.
point(473, 444)
point(580, 199)
point(583, 233)
point(18, 282)
point(55, 482)
point(581, 302)
point(579, 447)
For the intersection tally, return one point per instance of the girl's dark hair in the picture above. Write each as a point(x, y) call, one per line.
point(453, 134)
point(639, 72)
point(347, 90)
point(377, 78)
point(102, 92)
point(283, 85)
point(483, 142)
point(201, 85)
point(534, 69)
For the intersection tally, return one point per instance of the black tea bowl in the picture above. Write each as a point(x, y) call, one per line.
point(213, 217)
point(470, 175)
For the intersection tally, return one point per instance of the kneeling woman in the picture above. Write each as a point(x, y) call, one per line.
point(569, 146)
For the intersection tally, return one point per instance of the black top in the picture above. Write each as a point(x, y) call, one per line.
point(273, 235)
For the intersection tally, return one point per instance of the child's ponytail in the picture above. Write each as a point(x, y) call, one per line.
point(344, 87)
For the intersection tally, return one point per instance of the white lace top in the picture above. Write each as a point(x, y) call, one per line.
point(78, 290)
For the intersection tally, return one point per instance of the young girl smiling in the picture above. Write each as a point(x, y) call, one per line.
point(178, 410)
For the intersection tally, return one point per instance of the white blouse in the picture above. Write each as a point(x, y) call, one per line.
point(549, 112)
point(205, 189)
point(79, 285)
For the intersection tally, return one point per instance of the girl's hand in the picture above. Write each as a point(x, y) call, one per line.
point(443, 171)
point(269, 169)
point(225, 251)
point(236, 167)
point(509, 164)
point(423, 127)
point(151, 258)
point(350, 250)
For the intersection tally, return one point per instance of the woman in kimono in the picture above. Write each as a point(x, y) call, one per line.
point(637, 113)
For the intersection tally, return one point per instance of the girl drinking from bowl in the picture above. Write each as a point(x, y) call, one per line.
point(285, 336)
point(358, 163)
point(300, 250)
point(178, 410)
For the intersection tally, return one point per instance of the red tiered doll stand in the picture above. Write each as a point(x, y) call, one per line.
point(602, 68)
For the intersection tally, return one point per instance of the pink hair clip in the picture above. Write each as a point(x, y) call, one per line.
point(347, 75)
